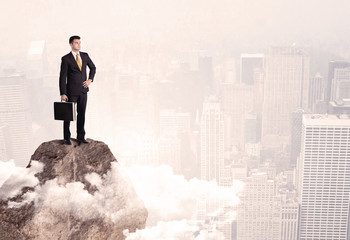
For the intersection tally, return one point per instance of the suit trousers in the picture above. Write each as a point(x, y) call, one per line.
point(81, 101)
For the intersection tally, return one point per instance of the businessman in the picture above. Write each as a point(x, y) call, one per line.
point(74, 85)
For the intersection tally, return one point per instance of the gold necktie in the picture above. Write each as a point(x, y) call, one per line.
point(78, 62)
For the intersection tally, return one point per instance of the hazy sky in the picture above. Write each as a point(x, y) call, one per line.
point(176, 23)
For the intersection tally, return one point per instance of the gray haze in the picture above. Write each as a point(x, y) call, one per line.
point(177, 24)
point(165, 70)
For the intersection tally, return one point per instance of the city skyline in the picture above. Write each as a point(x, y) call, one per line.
point(215, 101)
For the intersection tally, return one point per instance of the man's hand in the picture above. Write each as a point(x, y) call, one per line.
point(87, 83)
point(64, 98)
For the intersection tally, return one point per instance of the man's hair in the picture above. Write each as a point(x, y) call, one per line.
point(71, 39)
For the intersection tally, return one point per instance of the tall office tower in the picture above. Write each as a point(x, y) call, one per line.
point(3, 137)
point(191, 58)
point(295, 141)
point(225, 73)
point(205, 70)
point(316, 91)
point(212, 140)
point(14, 112)
point(324, 177)
point(146, 148)
point(225, 206)
point(341, 84)
point(169, 148)
point(212, 153)
point(174, 148)
point(37, 63)
point(259, 213)
point(126, 95)
point(237, 103)
point(259, 76)
point(249, 62)
point(251, 129)
point(286, 89)
point(174, 121)
point(331, 68)
point(230, 74)
point(199, 61)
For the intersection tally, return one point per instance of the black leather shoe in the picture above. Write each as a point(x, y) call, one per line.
point(82, 141)
point(67, 142)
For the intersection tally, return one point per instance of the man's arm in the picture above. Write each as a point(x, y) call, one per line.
point(63, 77)
point(92, 68)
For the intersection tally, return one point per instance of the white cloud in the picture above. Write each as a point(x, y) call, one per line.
point(174, 230)
point(112, 200)
point(170, 199)
point(13, 179)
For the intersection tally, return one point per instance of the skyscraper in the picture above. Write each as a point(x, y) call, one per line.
point(212, 161)
point(169, 150)
point(212, 140)
point(14, 112)
point(331, 68)
point(324, 177)
point(285, 90)
point(316, 91)
point(174, 121)
point(341, 84)
point(3, 137)
point(237, 103)
point(249, 62)
point(296, 123)
point(259, 213)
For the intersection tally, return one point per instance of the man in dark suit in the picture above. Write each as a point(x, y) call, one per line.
point(74, 85)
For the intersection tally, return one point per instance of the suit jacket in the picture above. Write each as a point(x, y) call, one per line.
point(71, 78)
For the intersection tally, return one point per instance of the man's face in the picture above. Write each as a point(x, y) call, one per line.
point(75, 45)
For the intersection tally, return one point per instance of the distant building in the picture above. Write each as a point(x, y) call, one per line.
point(4, 136)
point(316, 91)
point(267, 211)
point(289, 220)
point(15, 113)
point(251, 129)
point(341, 84)
point(169, 149)
point(296, 124)
point(331, 68)
point(37, 62)
point(212, 140)
point(213, 165)
point(237, 103)
point(286, 89)
point(339, 107)
point(174, 121)
point(250, 62)
point(259, 211)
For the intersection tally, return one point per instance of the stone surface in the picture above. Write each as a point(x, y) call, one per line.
point(70, 164)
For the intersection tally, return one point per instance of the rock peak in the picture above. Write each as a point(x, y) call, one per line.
point(71, 163)
point(80, 193)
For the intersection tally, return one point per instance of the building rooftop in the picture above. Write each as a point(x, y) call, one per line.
point(340, 103)
point(326, 119)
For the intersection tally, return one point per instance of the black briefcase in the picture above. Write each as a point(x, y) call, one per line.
point(65, 111)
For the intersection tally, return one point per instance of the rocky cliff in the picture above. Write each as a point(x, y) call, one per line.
point(70, 192)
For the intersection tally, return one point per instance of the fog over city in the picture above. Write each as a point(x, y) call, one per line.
point(226, 116)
